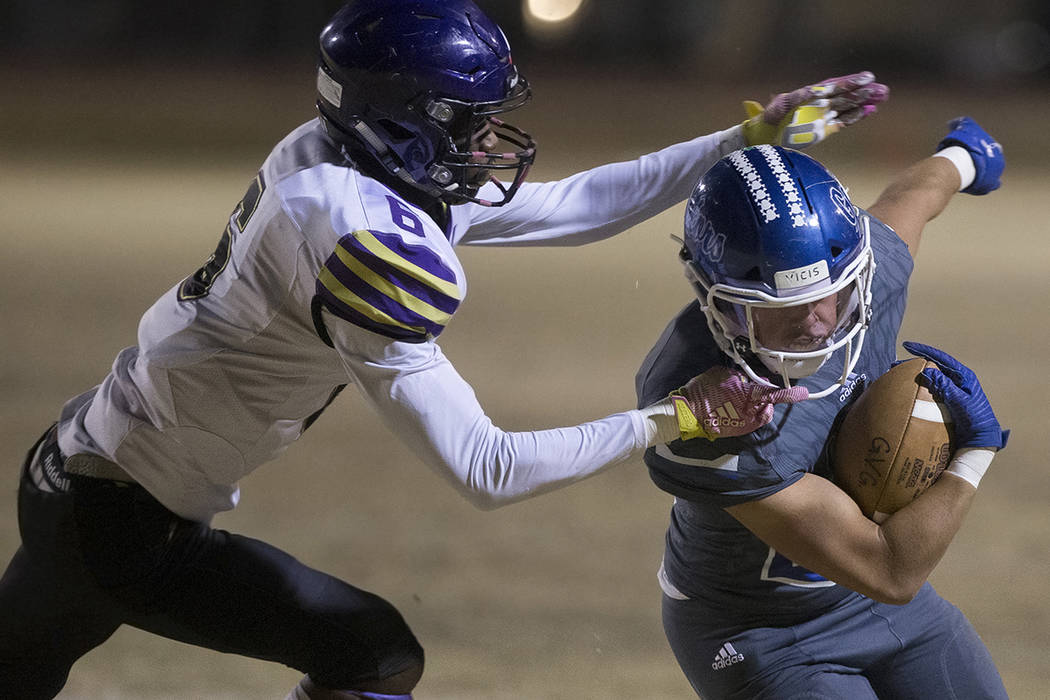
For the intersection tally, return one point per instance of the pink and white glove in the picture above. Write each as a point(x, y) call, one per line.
point(723, 402)
point(810, 114)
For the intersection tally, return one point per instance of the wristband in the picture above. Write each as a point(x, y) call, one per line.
point(731, 139)
point(970, 464)
point(963, 162)
point(661, 423)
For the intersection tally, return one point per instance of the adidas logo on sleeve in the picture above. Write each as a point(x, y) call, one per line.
point(726, 656)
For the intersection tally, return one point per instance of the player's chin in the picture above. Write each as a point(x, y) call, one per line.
point(803, 345)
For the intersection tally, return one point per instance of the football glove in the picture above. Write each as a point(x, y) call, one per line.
point(724, 403)
point(986, 152)
point(955, 385)
point(810, 114)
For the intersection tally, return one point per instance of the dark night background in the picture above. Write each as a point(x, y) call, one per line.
point(128, 130)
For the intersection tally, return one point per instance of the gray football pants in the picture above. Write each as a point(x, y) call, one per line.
point(859, 650)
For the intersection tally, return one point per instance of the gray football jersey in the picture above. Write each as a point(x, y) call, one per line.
point(709, 555)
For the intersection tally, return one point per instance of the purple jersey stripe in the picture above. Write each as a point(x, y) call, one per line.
point(348, 313)
point(382, 310)
point(419, 256)
point(365, 288)
point(388, 270)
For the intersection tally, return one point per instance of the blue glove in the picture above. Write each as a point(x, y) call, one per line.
point(957, 387)
point(986, 152)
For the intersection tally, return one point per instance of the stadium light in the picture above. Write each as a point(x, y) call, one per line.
point(550, 19)
point(552, 11)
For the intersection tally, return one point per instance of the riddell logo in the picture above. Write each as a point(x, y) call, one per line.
point(726, 656)
point(725, 415)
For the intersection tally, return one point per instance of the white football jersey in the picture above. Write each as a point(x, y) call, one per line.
point(325, 277)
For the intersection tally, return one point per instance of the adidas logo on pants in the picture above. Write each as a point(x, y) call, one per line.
point(726, 656)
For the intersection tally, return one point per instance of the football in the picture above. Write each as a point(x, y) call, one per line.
point(893, 442)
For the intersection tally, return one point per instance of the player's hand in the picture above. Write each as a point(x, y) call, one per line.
point(724, 403)
point(956, 385)
point(986, 153)
point(810, 114)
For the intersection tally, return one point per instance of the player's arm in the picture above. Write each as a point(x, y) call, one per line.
point(431, 408)
point(380, 300)
point(609, 199)
point(967, 160)
point(818, 526)
point(423, 400)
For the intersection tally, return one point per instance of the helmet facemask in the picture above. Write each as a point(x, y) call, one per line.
point(735, 317)
point(463, 168)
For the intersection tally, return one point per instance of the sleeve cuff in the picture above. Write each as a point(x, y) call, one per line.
point(731, 139)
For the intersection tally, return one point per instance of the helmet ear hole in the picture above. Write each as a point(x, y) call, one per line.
point(753, 275)
point(395, 130)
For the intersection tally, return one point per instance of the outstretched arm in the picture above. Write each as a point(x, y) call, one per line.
point(604, 201)
point(425, 402)
point(967, 160)
point(915, 197)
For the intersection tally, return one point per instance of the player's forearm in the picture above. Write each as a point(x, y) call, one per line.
point(818, 526)
point(436, 413)
point(917, 536)
point(491, 467)
point(890, 562)
point(915, 197)
point(423, 400)
point(494, 468)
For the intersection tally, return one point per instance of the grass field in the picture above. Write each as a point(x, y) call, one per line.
point(557, 597)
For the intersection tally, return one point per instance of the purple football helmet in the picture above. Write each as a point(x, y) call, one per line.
point(771, 242)
point(413, 83)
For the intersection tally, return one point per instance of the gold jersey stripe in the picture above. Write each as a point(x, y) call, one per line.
point(405, 299)
point(333, 285)
point(376, 248)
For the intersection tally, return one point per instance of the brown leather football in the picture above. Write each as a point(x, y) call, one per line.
point(893, 442)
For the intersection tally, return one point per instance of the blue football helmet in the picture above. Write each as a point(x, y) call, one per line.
point(413, 84)
point(782, 264)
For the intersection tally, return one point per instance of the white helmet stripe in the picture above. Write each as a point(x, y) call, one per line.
point(792, 198)
point(788, 200)
point(755, 187)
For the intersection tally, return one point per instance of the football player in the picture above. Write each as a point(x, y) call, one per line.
point(337, 267)
point(775, 584)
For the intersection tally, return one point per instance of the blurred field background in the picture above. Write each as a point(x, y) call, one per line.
point(122, 153)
